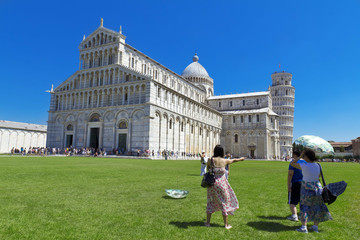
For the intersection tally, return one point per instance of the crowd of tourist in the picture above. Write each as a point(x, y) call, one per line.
point(72, 151)
point(155, 154)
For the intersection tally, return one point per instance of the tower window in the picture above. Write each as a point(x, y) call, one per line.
point(219, 104)
point(249, 118)
point(242, 119)
point(234, 119)
point(257, 118)
point(230, 103)
point(243, 102)
point(257, 101)
point(236, 138)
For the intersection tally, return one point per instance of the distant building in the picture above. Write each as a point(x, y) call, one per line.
point(17, 135)
point(342, 147)
point(356, 147)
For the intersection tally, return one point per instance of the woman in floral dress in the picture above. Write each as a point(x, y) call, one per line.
point(220, 196)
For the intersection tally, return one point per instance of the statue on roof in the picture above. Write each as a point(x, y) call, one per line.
point(101, 22)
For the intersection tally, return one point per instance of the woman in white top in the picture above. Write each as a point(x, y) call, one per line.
point(312, 206)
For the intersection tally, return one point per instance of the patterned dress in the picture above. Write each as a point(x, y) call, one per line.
point(312, 206)
point(220, 196)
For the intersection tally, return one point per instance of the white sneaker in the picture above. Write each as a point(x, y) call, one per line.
point(292, 218)
point(302, 230)
point(314, 229)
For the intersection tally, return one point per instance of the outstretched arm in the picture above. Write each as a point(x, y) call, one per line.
point(230, 161)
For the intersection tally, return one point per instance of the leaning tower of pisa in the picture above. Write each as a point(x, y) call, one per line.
point(283, 98)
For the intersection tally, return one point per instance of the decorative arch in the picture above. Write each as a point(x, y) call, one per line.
point(123, 124)
point(94, 117)
point(122, 114)
point(70, 127)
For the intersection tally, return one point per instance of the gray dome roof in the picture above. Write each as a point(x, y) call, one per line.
point(195, 69)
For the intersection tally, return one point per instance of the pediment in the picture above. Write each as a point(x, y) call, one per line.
point(101, 36)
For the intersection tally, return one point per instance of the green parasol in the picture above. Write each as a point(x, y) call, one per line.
point(315, 143)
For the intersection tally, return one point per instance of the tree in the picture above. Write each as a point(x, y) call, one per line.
point(342, 149)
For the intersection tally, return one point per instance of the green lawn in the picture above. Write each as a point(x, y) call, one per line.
point(104, 198)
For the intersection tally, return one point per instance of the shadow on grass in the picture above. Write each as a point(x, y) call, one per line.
point(196, 175)
point(272, 217)
point(167, 197)
point(186, 225)
point(271, 226)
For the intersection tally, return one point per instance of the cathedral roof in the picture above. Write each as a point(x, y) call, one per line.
point(253, 94)
point(195, 69)
point(23, 126)
point(252, 111)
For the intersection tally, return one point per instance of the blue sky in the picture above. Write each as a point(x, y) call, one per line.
point(240, 43)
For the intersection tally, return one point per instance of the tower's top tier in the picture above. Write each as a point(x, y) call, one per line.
point(281, 78)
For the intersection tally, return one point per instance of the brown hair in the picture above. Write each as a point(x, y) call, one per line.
point(310, 154)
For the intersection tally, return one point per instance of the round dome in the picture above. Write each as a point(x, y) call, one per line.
point(195, 69)
point(315, 143)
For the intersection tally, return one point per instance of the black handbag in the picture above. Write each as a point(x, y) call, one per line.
point(338, 188)
point(209, 177)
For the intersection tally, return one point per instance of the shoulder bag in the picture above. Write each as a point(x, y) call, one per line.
point(331, 191)
point(209, 177)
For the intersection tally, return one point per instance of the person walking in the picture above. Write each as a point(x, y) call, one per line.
point(203, 161)
point(220, 196)
point(312, 206)
point(294, 185)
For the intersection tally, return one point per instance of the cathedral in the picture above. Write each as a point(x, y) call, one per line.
point(122, 99)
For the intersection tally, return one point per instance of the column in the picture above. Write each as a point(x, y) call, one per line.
point(112, 96)
point(103, 99)
point(103, 58)
point(75, 101)
point(140, 95)
point(97, 99)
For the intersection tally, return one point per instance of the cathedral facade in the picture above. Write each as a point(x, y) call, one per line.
point(122, 99)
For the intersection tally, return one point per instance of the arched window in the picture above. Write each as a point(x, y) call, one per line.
point(70, 127)
point(122, 125)
point(236, 138)
point(95, 118)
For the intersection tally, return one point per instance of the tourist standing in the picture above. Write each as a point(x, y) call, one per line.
point(294, 185)
point(203, 160)
point(312, 206)
point(220, 196)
